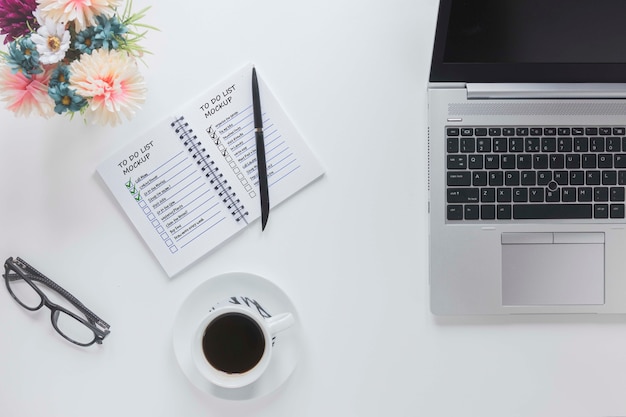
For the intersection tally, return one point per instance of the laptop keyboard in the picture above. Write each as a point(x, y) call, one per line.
point(528, 173)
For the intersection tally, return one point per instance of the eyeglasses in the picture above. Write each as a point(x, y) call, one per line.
point(81, 327)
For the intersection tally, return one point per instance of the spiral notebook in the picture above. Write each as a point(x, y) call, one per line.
point(190, 182)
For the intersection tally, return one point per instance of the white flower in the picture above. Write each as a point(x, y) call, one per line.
point(82, 12)
point(52, 41)
point(111, 83)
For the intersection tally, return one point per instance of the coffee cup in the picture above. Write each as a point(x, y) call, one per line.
point(233, 344)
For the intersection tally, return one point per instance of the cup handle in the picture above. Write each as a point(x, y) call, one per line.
point(280, 322)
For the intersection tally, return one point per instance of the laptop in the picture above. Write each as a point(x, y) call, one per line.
point(527, 157)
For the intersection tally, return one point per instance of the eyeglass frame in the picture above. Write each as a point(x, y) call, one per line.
point(30, 275)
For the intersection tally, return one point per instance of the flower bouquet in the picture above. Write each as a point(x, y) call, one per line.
point(69, 56)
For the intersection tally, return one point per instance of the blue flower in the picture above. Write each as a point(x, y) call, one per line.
point(23, 56)
point(85, 41)
point(109, 32)
point(66, 99)
point(60, 76)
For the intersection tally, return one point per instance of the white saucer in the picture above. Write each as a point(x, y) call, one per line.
point(274, 301)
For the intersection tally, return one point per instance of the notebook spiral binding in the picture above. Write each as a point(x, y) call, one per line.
point(212, 172)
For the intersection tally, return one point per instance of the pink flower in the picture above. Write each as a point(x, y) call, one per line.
point(15, 17)
point(25, 95)
point(82, 12)
point(111, 83)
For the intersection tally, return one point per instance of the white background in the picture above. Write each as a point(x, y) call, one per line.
point(350, 251)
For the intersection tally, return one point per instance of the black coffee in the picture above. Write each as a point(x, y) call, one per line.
point(233, 343)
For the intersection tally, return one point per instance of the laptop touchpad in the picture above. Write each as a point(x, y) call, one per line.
point(552, 268)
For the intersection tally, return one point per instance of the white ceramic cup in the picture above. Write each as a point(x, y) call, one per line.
point(267, 325)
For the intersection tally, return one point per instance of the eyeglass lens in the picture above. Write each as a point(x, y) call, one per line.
point(66, 324)
point(24, 293)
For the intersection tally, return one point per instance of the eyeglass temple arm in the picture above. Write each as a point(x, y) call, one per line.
point(35, 275)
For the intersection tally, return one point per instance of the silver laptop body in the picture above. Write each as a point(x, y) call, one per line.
point(527, 157)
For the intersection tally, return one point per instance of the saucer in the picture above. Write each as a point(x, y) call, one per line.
point(198, 304)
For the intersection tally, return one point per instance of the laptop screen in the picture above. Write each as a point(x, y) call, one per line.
point(530, 41)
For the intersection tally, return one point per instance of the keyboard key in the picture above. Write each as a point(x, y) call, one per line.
point(492, 162)
point(621, 177)
point(591, 131)
point(495, 131)
point(532, 145)
point(467, 145)
point(564, 131)
point(619, 160)
point(617, 211)
point(581, 144)
point(617, 194)
point(483, 145)
point(508, 131)
point(596, 144)
point(504, 195)
point(609, 178)
point(488, 195)
point(488, 212)
point(480, 131)
point(536, 195)
point(548, 145)
point(564, 144)
point(479, 178)
point(452, 131)
point(452, 145)
point(521, 131)
point(613, 144)
point(455, 212)
point(511, 178)
point(524, 161)
point(557, 161)
point(528, 178)
point(577, 178)
point(500, 145)
point(496, 178)
point(569, 194)
point(589, 161)
point(504, 211)
point(472, 212)
point(520, 195)
point(459, 179)
point(552, 211)
point(540, 161)
point(516, 145)
point(592, 178)
point(553, 196)
point(463, 195)
point(585, 194)
point(600, 194)
point(601, 211)
point(544, 177)
point(560, 177)
point(549, 131)
point(507, 161)
point(619, 131)
point(578, 131)
point(457, 161)
point(467, 131)
point(572, 161)
point(605, 161)
point(475, 161)
point(604, 131)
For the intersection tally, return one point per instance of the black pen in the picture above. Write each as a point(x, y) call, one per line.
point(260, 151)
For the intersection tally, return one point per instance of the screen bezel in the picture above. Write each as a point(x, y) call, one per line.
point(441, 71)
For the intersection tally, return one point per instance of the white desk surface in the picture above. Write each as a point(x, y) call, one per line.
point(350, 251)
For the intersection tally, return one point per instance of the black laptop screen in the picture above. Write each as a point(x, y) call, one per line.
point(530, 41)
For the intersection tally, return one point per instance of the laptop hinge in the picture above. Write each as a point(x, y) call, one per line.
point(483, 91)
